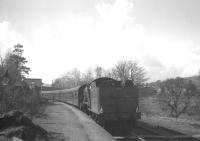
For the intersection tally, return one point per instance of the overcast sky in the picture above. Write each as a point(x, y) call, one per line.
point(59, 35)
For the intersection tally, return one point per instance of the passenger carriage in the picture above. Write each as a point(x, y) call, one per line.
point(67, 95)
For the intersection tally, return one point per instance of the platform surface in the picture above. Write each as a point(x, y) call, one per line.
point(67, 123)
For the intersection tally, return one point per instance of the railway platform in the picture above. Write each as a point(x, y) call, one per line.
point(67, 123)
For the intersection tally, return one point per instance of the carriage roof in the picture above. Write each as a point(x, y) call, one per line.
point(62, 91)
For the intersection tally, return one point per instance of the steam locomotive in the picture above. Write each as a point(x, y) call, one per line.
point(104, 99)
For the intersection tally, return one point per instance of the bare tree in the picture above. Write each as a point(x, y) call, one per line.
point(88, 76)
point(129, 70)
point(59, 83)
point(76, 76)
point(109, 73)
point(121, 70)
point(98, 72)
point(176, 94)
point(69, 80)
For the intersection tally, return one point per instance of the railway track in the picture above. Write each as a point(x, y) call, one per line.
point(144, 132)
point(156, 138)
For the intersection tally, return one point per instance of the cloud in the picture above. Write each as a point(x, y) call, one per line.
point(9, 37)
point(116, 14)
point(58, 45)
point(177, 58)
point(82, 41)
point(162, 55)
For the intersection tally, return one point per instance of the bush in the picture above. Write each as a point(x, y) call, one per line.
point(20, 98)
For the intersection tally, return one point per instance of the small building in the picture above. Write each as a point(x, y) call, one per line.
point(34, 82)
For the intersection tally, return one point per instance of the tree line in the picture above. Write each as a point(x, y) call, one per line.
point(123, 70)
point(175, 95)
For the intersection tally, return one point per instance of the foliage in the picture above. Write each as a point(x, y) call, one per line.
point(16, 94)
point(176, 94)
point(15, 63)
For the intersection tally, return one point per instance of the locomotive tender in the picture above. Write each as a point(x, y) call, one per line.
point(105, 99)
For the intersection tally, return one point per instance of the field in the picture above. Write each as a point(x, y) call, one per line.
point(152, 112)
